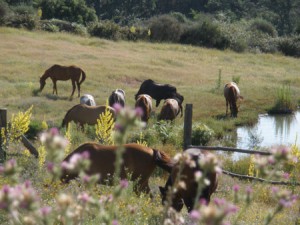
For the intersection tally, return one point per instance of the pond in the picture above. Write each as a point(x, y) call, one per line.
point(271, 130)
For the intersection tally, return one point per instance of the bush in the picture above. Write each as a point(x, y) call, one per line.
point(262, 42)
point(35, 127)
point(22, 16)
point(205, 34)
point(4, 12)
point(105, 29)
point(201, 134)
point(290, 46)
point(263, 26)
point(134, 33)
point(165, 28)
point(55, 25)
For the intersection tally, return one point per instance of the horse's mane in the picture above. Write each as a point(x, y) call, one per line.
point(163, 160)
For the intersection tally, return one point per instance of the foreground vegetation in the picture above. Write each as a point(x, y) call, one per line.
point(199, 75)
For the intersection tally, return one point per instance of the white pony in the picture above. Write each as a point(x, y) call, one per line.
point(88, 100)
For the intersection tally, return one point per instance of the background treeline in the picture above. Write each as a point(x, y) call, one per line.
point(240, 25)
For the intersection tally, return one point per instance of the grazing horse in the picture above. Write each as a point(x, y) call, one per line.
point(117, 96)
point(88, 100)
point(58, 72)
point(170, 110)
point(186, 195)
point(139, 163)
point(83, 114)
point(145, 103)
point(232, 94)
point(159, 91)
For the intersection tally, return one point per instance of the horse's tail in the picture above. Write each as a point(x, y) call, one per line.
point(83, 77)
point(162, 160)
point(232, 94)
point(143, 104)
point(167, 112)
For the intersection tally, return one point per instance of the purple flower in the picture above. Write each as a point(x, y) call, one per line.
point(85, 155)
point(249, 190)
point(119, 127)
point(50, 166)
point(124, 184)
point(219, 201)
point(195, 215)
point(139, 112)
point(118, 107)
point(115, 222)
point(286, 176)
point(46, 210)
point(236, 188)
point(54, 131)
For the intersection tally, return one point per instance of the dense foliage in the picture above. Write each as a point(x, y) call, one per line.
point(248, 25)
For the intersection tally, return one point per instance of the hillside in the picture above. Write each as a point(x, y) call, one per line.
point(110, 65)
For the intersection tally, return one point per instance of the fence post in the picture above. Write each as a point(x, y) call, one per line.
point(3, 123)
point(187, 127)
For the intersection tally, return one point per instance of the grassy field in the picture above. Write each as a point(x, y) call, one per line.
point(109, 65)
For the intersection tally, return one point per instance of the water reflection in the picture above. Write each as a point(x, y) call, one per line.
point(270, 130)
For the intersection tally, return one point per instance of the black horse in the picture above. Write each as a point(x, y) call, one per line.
point(159, 91)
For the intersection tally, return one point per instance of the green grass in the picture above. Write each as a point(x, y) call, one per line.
point(109, 65)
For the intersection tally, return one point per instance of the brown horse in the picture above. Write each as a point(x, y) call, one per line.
point(145, 103)
point(232, 94)
point(186, 195)
point(58, 72)
point(84, 114)
point(170, 110)
point(138, 162)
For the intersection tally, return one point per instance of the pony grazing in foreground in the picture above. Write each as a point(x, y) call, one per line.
point(170, 110)
point(159, 91)
point(145, 103)
point(58, 72)
point(139, 163)
point(186, 195)
point(117, 96)
point(88, 100)
point(232, 94)
point(83, 114)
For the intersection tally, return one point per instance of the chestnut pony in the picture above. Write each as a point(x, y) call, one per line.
point(84, 114)
point(58, 72)
point(139, 163)
point(188, 194)
point(170, 110)
point(145, 103)
point(232, 94)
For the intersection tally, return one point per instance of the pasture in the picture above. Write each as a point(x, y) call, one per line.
point(110, 65)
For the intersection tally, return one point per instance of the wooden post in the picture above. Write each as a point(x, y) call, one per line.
point(187, 128)
point(3, 123)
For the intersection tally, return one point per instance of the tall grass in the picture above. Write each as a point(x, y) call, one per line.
point(284, 102)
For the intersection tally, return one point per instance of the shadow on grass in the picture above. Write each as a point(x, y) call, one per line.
point(222, 117)
point(56, 97)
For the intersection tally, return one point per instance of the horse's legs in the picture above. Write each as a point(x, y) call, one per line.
point(78, 87)
point(74, 87)
point(54, 87)
point(189, 203)
point(226, 107)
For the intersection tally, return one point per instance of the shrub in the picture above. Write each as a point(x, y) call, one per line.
point(105, 29)
point(201, 134)
point(4, 12)
point(134, 33)
point(262, 42)
point(165, 28)
point(290, 46)
point(22, 21)
point(55, 25)
point(35, 127)
point(263, 26)
point(205, 34)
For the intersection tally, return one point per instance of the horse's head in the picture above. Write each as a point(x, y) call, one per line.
point(42, 83)
point(177, 204)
